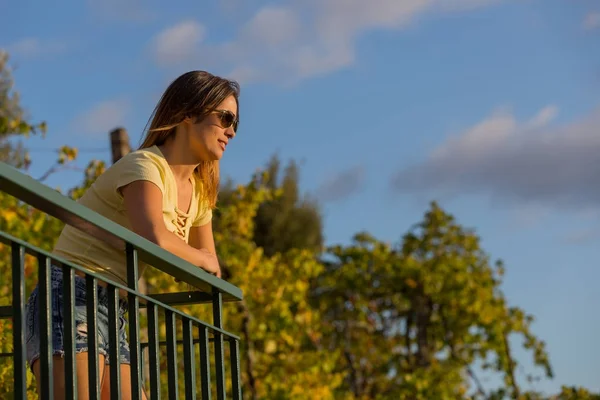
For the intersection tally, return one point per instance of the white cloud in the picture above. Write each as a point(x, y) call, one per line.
point(31, 47)
point(592, 20)
point(312, 37)
point(486, 137)
point(530, 161)
point(178, 43)
point(102, 117)
point(272, 27)
point(544, 117)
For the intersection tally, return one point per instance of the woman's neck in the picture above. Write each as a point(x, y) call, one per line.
point(179, 159)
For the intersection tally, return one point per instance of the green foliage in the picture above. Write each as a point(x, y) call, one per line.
point(414, 318)
point(13, 119)
point(287, 220)
point(576, 393)
point(566, 393)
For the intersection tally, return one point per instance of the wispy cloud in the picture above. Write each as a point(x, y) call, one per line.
point(308, 38)
point(102, 117)
point(527, 216)
point(592, 20)
point(32, 47)
point(178, 43)
point(528, 161)
point(342, 185)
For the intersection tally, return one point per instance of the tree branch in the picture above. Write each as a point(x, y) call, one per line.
point(450, 341)
point(511, 367)
point(353, 374)
point(58, 168)
point(423, 316)
point(409, 322)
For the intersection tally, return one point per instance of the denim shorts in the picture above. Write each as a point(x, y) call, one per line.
point(32, 332)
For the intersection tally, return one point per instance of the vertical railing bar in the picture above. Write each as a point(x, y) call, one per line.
point(45, 292)
point(91, 295)
point(142, 364)
point(219, 356)
point(204, 363)
point(220, 366)
point(234, 353)
point(69, 329)
point(134, 331)
point(217, 303)
point(19, 325)
point(171, 355)
point(189, 360)
point(113, 343)
point(153, 351)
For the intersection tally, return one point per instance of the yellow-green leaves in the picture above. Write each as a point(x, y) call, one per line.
point(66, 154)
point(412, 320)
point(13, 119)
point(280, 330)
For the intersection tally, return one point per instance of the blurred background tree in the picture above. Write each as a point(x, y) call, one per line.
point(287, 220)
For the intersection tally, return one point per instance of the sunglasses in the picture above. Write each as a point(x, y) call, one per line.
point(227, 119)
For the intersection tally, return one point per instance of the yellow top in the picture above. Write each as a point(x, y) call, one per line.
point(105, 198)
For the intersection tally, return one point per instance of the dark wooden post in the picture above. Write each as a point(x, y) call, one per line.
point(119, 143)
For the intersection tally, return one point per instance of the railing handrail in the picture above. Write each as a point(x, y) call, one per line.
point(37, 252)
point(50, 201)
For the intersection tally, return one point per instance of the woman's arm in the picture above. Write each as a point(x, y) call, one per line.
point(143, 202)
point(201, 237)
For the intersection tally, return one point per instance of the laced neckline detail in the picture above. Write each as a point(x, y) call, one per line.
point(181, 220)
point(181, 217)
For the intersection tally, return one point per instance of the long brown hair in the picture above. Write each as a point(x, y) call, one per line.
point(193, 94)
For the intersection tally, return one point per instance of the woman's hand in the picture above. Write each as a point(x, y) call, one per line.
point(210, 262)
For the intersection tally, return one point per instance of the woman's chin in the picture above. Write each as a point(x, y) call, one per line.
point(208, 156)
point(218, 154)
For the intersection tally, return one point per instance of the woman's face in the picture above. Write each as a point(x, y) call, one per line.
point(209, 138)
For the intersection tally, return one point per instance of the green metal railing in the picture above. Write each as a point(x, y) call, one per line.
point(195, 332)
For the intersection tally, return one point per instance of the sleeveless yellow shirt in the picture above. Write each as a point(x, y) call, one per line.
point(104, 197)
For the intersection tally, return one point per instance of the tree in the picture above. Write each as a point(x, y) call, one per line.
point(566, 393)
point(575, 393)
point(13, 119)
point(287, 220)
point(412, 319)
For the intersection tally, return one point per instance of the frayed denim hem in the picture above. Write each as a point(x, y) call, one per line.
point(61, 354)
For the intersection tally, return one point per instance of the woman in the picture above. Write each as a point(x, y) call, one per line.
point(165, 192)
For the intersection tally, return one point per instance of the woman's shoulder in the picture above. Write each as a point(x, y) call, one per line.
point(144, 164)
point(149, 155)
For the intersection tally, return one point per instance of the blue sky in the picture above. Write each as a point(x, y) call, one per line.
point(491, 107)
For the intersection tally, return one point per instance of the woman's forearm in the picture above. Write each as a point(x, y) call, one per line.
point(174, 244)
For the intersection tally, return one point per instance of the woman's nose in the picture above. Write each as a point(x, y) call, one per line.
point(230, 133)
